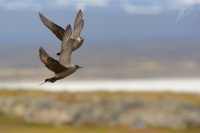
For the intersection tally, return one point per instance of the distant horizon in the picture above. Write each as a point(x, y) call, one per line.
point(99, 61)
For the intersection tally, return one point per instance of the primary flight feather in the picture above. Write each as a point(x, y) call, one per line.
point(59, 31)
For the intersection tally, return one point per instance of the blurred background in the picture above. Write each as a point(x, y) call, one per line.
point(140, 59)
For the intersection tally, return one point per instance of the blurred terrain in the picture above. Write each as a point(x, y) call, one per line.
point(20, 126)
point(136, 110)
point(107, 62)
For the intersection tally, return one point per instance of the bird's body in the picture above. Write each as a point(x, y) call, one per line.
point(63, 68)
point(68, 71)
point(59, 31)
point(77, 43)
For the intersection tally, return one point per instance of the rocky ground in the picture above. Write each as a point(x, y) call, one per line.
point(159, 110)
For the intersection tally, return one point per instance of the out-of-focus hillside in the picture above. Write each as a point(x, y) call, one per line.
point(138, 110)
point(119, 61)
point(20, 126)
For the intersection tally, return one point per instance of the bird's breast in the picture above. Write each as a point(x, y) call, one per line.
point(65, 73)
point(76, 44)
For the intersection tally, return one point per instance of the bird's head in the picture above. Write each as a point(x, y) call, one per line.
point(81, 39)
point(77, 67)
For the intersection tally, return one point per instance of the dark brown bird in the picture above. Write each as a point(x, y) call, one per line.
point(59, 31)
point(63, 68)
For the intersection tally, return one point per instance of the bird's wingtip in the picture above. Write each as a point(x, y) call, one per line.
point(69, 27)
point(40, 14)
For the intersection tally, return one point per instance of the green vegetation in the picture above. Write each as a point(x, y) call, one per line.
point(17, 125)
point(74, 97)
point(12, 124)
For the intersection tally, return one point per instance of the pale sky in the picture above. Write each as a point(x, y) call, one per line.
point(106, 21)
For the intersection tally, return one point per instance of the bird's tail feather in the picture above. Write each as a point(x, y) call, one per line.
point(52, 80)
point(42, 83)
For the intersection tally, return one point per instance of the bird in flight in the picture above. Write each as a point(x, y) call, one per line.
point(63, 68)
point(59, 31)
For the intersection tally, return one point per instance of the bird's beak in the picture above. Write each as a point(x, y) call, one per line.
point(80, 67)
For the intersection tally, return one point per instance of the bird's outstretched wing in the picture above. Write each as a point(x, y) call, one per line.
point(78, 24)
point(66, 47)
point(50, 63)
point(57, 30)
